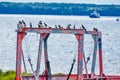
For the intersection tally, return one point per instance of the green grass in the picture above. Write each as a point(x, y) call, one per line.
point(8, 75)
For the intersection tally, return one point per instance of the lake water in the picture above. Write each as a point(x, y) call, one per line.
point(61, 48)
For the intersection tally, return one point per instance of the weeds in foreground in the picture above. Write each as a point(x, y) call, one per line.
point(8, 75)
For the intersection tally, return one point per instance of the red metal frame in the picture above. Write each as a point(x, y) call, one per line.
point(79, 34)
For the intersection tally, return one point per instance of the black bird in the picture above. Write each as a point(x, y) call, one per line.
point(30, 25)
point(74, 27)
point(95, 29)
point(50, 27)
point(24, 24)
point(19, 25)
point(59, 26)
point(45, 24)
point(40, 24)
point(20, 22)
point(55, 26)
point(68, 26)
point(83, 28)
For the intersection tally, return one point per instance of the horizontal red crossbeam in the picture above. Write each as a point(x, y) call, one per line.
point(56, 30)
point(73, 77)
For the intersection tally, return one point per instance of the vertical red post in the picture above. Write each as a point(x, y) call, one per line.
point(95, 38)
point(20, 36)
point(46, 55)
point(39, 55)
point(100, 54)
point(80, 56)
point(43, 37)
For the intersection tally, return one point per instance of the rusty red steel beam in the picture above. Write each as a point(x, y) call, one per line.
point(74, 77)
point(113, 77)
point(19, 55)
point(56, 30)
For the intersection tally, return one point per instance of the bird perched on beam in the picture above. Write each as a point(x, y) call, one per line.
point(20, 22)
point(45, 24)
point(40, 24)
point(30, 25)
point(19, 25)
point(83, 28)
point(59, 26)
point(50, 27)
point(74, 27)
point(68, 26)
point(23, 23)
point(95, 29)
point(55, 26)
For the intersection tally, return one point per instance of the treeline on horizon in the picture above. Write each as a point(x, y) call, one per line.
point(58, 9)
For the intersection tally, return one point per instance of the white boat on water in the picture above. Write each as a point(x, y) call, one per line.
point(94, 15)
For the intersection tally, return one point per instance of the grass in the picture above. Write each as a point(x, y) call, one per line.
point(8, 75)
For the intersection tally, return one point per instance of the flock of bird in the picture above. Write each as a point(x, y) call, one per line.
point(41, 24)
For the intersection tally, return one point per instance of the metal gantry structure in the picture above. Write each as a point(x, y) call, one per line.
point(44, 35)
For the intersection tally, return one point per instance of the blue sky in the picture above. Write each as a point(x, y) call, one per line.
point(70, 1)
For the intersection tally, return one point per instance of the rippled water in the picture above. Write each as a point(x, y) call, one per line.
point(61, 48)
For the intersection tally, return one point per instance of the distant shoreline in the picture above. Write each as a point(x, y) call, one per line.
point(58, 9)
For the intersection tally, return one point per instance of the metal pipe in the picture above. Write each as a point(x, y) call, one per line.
point(95, 38)
point(39, 56)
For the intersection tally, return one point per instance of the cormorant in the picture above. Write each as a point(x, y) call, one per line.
point(83, 28)
point(24, 24)
point(55, 26)
point(19, 25)
point(40, 24)
point(30, 25)
point(45, 24)
point(68, 26)
point(20, 22)
point(59, 26)
point(74, 27)
point(95, 29)
point(50, 27)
